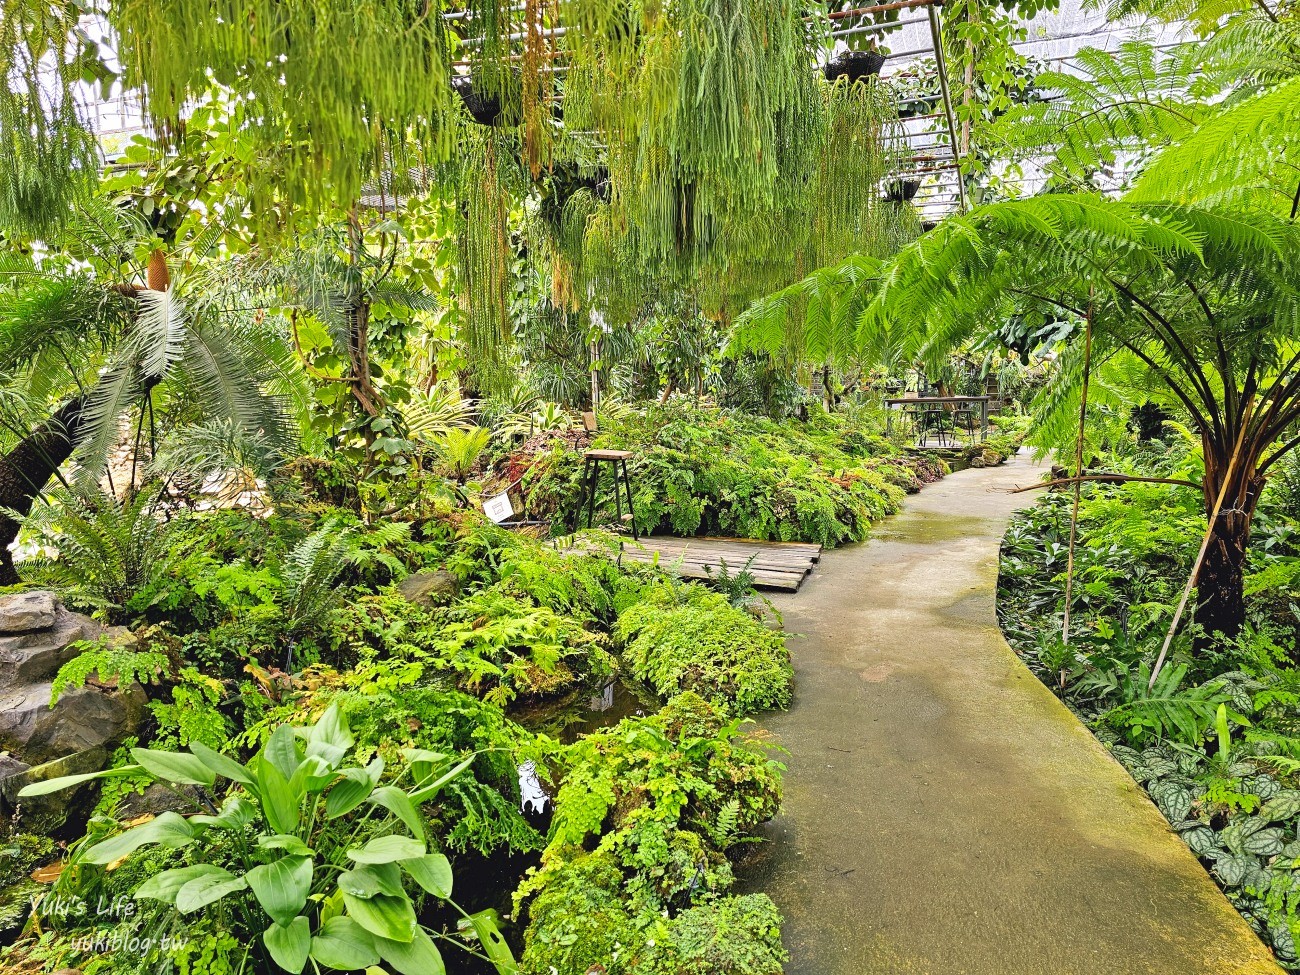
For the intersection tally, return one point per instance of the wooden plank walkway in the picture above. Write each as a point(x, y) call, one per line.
point(776, 565)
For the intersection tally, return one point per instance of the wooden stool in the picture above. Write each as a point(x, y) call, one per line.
point(592, 459)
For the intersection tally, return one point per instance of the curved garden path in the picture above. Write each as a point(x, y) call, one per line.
point(944, 813)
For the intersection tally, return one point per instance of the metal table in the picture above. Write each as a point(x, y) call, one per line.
point(923, 408)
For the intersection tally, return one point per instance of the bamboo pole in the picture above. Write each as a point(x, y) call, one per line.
point(1078, 471)
point(1108, 479)
point(1200, 556)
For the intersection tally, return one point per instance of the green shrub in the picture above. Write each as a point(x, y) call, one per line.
point(689, 639)
point(727, 936)
point(666, 795)
point(311, 855)
point(582, 920)
point(723, 472)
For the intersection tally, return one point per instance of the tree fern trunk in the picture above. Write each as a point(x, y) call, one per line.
point(26, 469)
point(1220, 597)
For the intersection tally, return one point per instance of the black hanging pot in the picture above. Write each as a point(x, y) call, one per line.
point(854, 65)
point(487, 108)
point(902, 190)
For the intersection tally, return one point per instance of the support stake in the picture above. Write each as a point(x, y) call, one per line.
point(1078, 473)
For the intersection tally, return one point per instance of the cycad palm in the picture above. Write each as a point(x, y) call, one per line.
point(100, 348)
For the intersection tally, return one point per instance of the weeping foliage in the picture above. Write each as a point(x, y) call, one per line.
point(51, 159)
point(332, 92)
point(486, 245)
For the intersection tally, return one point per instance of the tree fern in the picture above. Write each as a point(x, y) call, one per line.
point(1245, 154)
point(1127, 101)
point(108, 550)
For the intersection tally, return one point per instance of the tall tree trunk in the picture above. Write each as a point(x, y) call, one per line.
point(1220, 599)
point(357, 316)
point(26, 469)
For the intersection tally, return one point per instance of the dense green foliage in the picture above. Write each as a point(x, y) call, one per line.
point(1215, 740)
point(723, 472)
point(685, 638)
point(514, 632)
point(650, 807)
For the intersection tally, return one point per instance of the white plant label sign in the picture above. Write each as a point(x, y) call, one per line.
point(499, 508)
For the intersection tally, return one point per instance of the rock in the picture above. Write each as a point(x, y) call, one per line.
point(10, 766)
point(428, 589)
point(991, 458)
point(45, 814)
point(155, 799)
point(37, 655)
point(22, 612)
point(83, 718)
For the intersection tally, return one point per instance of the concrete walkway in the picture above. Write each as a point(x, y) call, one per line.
point(944, 813)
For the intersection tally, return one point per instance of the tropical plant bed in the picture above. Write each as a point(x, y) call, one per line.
point(366, 806)
point(1215, 741)
point(707, 471)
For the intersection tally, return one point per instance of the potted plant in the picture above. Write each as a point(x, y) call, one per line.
point(902, 190)
point(854, 65)
point(503, 107)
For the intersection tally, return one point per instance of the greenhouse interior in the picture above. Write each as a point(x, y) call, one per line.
point(649, 487)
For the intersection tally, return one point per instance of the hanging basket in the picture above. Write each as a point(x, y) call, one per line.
point(487, 108)
point(902, 190)
point(854, 65)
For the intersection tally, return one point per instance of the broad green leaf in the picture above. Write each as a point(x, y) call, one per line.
point(169, 831)
point(425, 793)
point(331, 906)
point(291, 845)
point(419, 956)
point(282, 887)
point(1265, 842)
point(290, 944)
point(351, 791)
point(281, 802)
point(399, 804)
point(343, 944)
point(329, 738)
point(432, 872)
point(163, 886)
point(487, 925)
point(1284, 805)
point(237, 813)
point(68, 781)
point(174, 766)
point(225, 767)
point(281, 750)
point(388, 849)
point(383, 915)
point(372, 879)
point(207, 889)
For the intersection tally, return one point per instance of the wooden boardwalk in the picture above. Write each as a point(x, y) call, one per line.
point(776, 565)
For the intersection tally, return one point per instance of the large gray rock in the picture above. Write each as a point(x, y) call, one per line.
point(37, 655)
point(22, 612)
point(428, 589)
point(84, 718)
